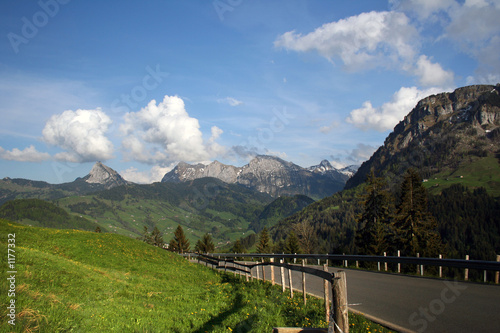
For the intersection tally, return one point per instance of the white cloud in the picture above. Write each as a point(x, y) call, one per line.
point(425, 9)
point(361, 153)
point(385, 117)
point(328, 128)
point(155, 174)
point(432, 74)
point(160, 134)
point(229, 100)
point(81, 133)
point(28, 154)
point(472, 26)
point(363, 41)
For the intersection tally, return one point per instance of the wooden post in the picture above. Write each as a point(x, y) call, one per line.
point(340, 308)
point(466, 273)
point(263, 272)
point(257, 267)
point(497, 274)
point(418, 266)
point(326, 288)
point(440, 267)
point(282, 271)
point(290, 282)
point(399, 264)
point(272, 272)
point(304, 283)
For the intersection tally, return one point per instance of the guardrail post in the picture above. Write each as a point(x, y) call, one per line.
point(418, 266)
point(326, 288)
point(440, 267)
point(340, 308)
point(304, 283)
point(385, 263)
point(272, 272)
point(282, 271)
point(399, 264)
point(290, 282)
point(263, 271)
point(466, 273)
point(497, 274)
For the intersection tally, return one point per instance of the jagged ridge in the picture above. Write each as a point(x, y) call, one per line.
point(267, 174)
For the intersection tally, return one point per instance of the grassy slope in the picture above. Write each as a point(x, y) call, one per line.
point(69, 280)
point(476, 172)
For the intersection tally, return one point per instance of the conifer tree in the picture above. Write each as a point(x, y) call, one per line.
point(373, 236)
point(292, 244)
point(205, 244)
point(146, 236)
point(237, 247)
point(415, 228)
point(179, 243)
point(156, 237)
point(264, 245)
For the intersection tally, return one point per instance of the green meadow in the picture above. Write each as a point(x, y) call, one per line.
point(79, 281)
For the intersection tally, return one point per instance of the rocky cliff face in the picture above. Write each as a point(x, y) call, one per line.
point(266, 174)
point(104, 175)
point(439, 133)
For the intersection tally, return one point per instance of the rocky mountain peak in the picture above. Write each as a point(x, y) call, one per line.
point(268, 174)
point(441, 132)
point(104, 175)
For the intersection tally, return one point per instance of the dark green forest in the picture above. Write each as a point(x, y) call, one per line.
point(459, 221)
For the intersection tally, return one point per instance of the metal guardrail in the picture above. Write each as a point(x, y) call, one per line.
point(453, 263)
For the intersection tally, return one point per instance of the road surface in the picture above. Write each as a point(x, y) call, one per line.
point(412, 304)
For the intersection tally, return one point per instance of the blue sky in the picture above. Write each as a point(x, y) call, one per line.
point(141, 86)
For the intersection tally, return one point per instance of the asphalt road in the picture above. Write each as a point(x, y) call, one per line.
point(412, 304)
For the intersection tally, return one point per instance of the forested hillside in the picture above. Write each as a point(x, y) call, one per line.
point(468, 222)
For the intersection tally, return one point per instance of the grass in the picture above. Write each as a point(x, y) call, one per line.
point(472, 173)
point(77, 281)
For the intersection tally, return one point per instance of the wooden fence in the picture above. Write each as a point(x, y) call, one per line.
point(338, 318)
point(480, 265)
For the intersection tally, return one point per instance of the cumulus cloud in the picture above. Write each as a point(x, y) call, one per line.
point(432, 74)
point(471, 25)
point(229, 100)
point(160, 134)
point(28, 154)
point(155, 174)
point(81, 134)
point(385, 117)
point(362, 41)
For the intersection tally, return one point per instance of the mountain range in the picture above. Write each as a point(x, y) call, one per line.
point(269, 174)
point(452, 139)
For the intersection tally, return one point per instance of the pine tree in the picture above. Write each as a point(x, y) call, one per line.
point(264, 245)
point(179, 243)
point(205, 244)
point(156, 238)
point(292, 244)
point(415, 228)
point(237, 247)
point(373, 236)
point(146, 236)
